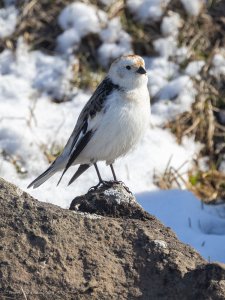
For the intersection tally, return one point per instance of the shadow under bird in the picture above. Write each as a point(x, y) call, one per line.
point(110, 124)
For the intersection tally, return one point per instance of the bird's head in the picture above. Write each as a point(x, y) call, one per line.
point(129, 72)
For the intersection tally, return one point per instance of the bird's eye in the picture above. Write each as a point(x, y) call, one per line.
point(128, 67)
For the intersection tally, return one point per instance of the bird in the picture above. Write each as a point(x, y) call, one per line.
point(110, 124)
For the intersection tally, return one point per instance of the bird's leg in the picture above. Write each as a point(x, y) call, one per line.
point(108, 183)
point(99, 178)
point(113, 172)
point(98, 173)
point(117, 181)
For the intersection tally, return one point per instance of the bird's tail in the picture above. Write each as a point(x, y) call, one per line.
point(81, 170)
point(43, 177)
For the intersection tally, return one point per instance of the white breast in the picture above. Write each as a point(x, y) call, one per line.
point(120, 128)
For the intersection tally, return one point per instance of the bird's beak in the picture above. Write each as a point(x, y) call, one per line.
point(141, 70)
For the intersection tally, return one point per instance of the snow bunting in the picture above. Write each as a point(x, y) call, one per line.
point(111, 122)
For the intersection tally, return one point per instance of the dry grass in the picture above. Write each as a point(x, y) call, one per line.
point(171, 178)
point(87, 72)
point(207, 185)
point(142, 34)
point(51, 152)
point(16, 161)
point(202, 123)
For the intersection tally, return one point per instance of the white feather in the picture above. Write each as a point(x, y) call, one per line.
point(120, 128)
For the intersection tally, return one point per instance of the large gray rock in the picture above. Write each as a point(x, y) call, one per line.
point(108, 248)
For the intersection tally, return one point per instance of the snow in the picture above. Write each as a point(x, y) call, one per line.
point(82, 17)
point(192, 7)
point(45, 73)
point(175, 87)
point(171, 24)
point(119, 196)
point(108, 3)
point(68, 41)
point(218, 64)
point(78, 20)
point(116, 42)
point(9, 2)
point(222, 165)
point(88, 215)
point(173, 91)
point(194, 67)
point(160, 244)
point(147, 10)
point(182, 54)
point(200, 226)
point(8, 20)
point(160, 71)
point(166, 47)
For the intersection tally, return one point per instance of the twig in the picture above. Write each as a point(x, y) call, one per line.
point(25, 297)
point(192, 127)
point(28, 7)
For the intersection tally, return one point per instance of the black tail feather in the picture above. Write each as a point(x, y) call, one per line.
point(41, 178)
point(80, 170)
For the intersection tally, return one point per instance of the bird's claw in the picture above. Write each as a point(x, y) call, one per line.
point(100, 184)
point(123, 185)
point(95, 187)
point(109, 184)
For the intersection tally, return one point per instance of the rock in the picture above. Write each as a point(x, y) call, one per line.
point(106, 249)
point(114, 201)
point(206, 282)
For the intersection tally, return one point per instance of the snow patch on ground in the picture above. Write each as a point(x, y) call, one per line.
point(166, 47)
point(200, 226)
point(192, 7)
point(116, 42)
point(42, 72)
point(8, 20)
point(147, 10)
point(194, 67)
point(218, 64)
point(170, 24)
point(173, 92)
point(108, 2)
point(78, 20)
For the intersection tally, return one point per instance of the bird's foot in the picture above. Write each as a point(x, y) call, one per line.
point(123, 185)
point(111, 182)
point(101, 183)
point(95, 187)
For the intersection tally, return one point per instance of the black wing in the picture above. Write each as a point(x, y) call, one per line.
point(79, 147)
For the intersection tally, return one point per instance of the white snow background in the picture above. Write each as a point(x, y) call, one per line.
point(30, 121)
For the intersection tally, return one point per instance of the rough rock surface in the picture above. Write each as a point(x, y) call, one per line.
point(96, 252)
